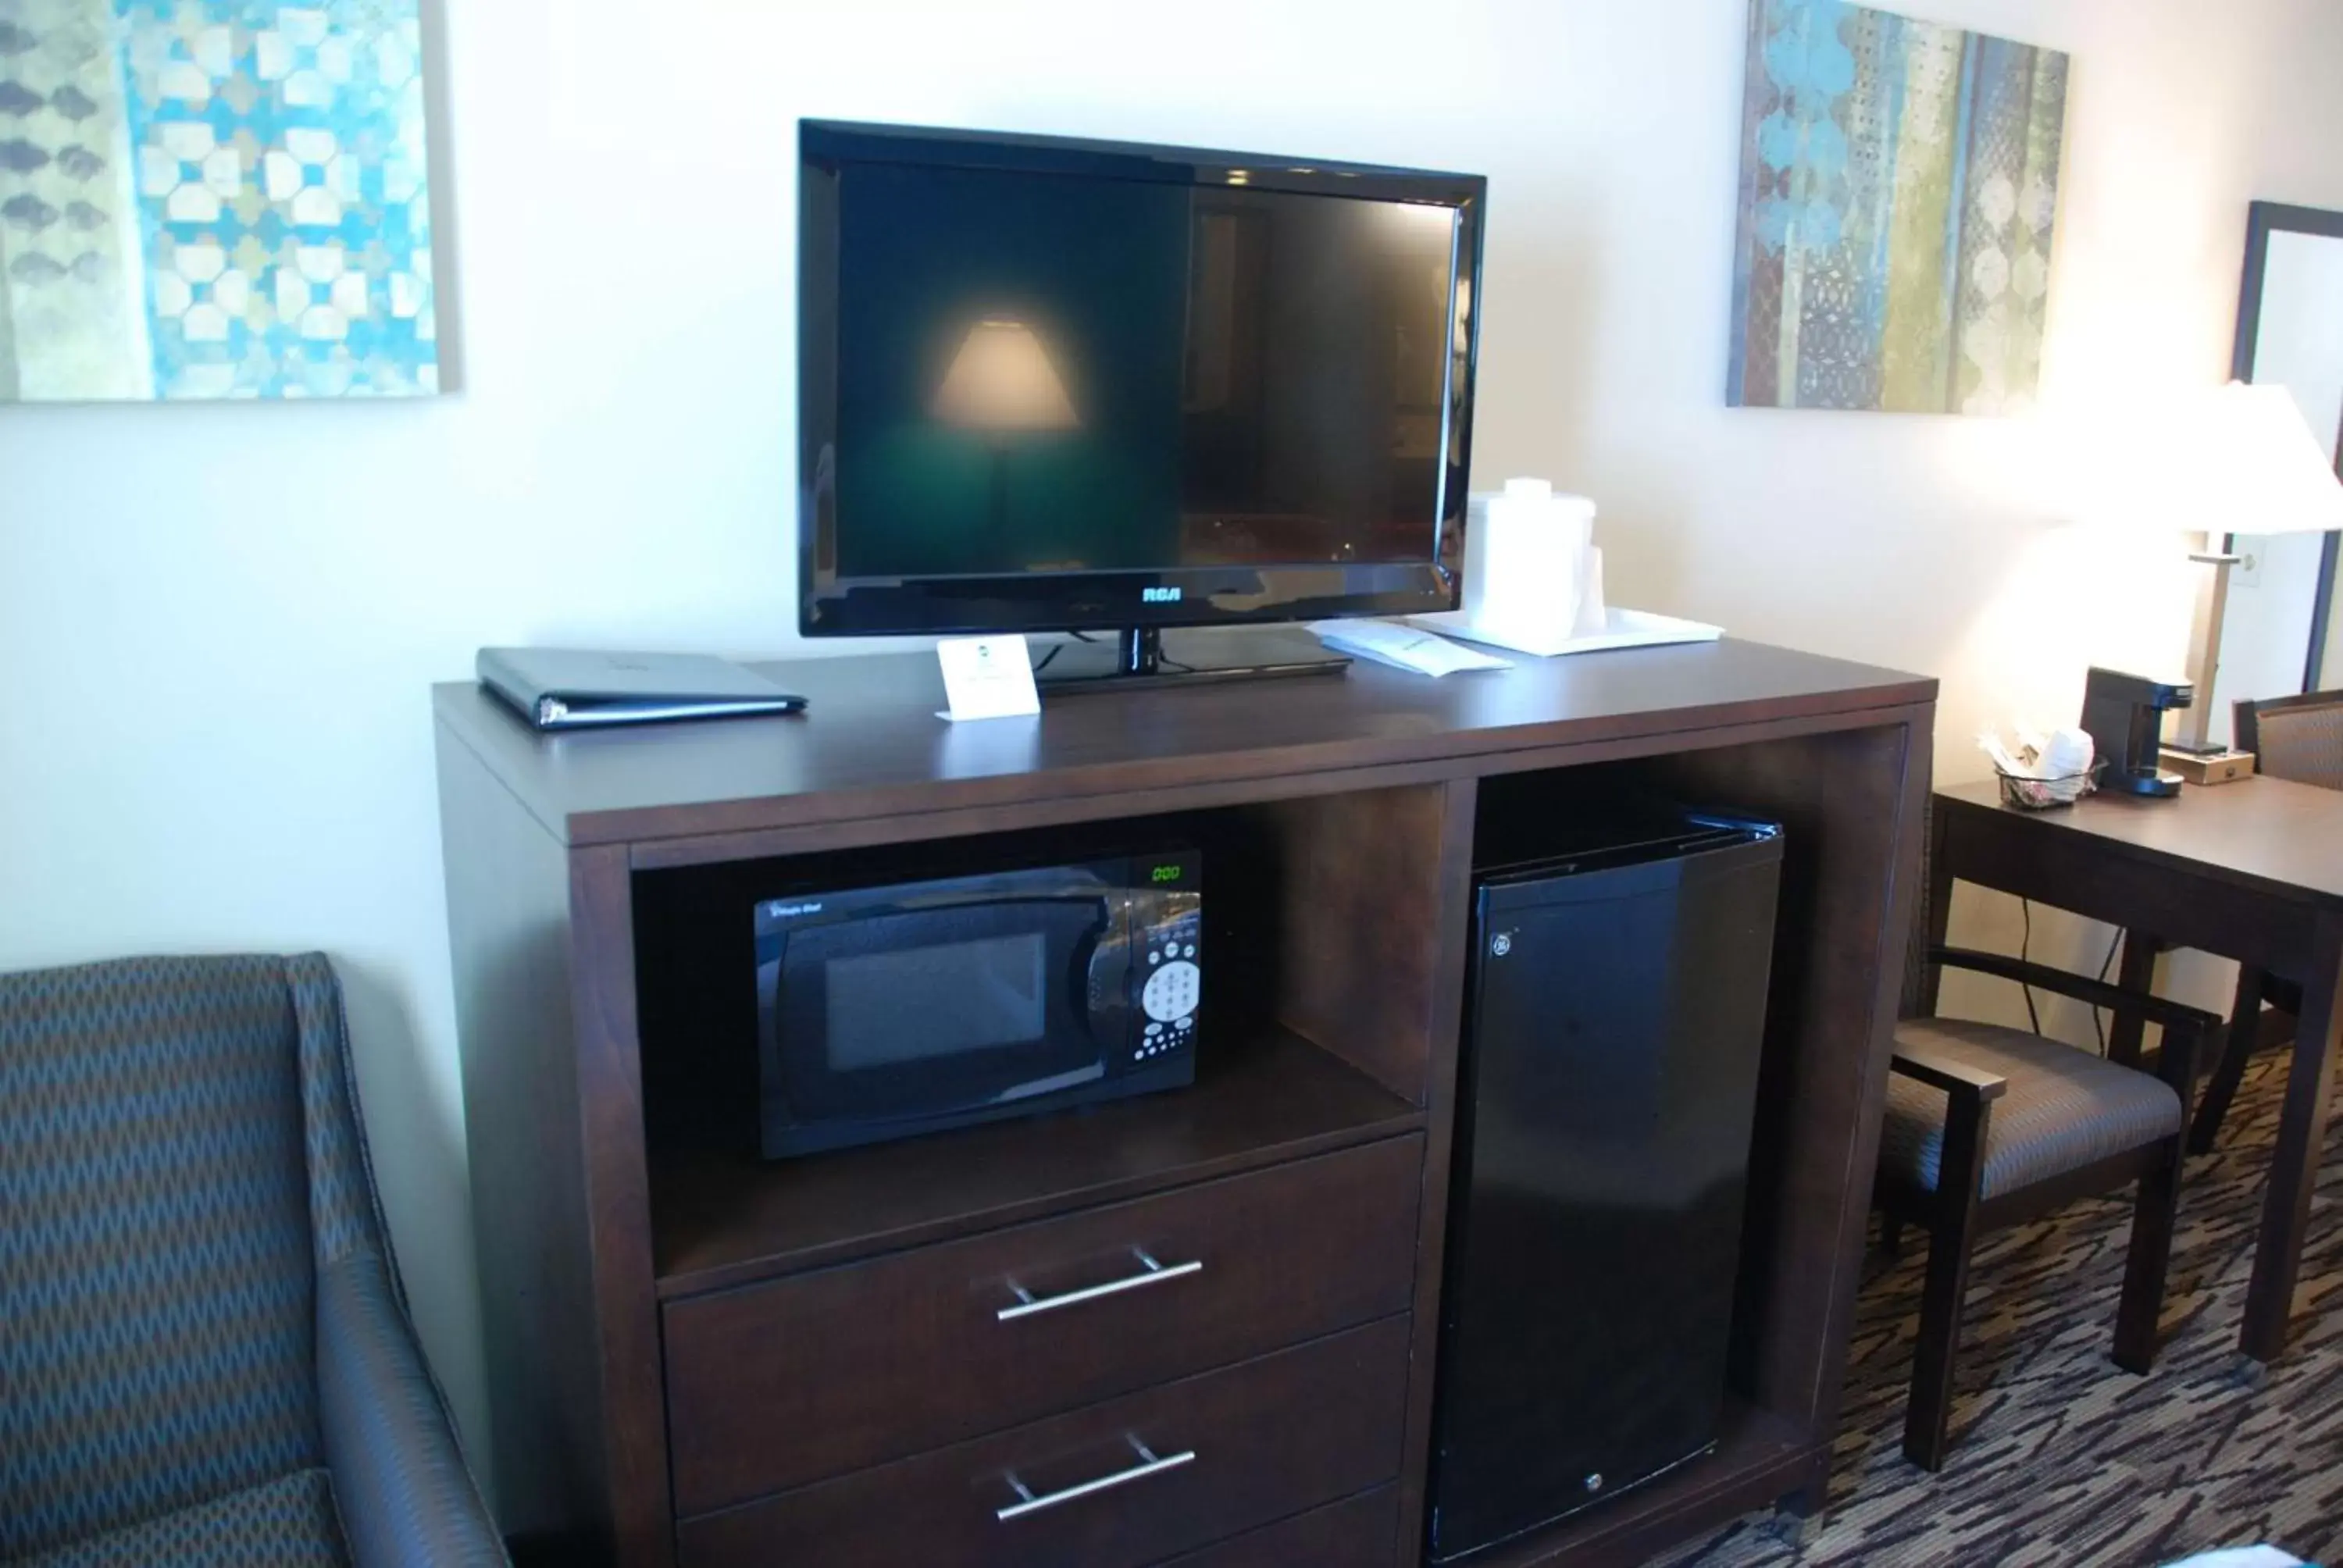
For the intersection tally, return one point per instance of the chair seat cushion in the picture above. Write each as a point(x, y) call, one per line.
point(2064, 1109)
point(288, 1523)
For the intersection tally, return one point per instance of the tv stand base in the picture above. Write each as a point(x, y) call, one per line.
point(1137, 660)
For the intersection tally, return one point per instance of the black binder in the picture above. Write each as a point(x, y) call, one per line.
point(560, 688)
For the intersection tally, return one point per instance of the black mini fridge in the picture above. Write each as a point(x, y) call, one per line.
point(1617, 1011)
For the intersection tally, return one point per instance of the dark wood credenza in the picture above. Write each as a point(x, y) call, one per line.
point(697, 1357)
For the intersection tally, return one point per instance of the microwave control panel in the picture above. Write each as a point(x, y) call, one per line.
point(1168, 947)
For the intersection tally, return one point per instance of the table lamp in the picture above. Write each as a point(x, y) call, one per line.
point(1002, 383)
point(2238, 459)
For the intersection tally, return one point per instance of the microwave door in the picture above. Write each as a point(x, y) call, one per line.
point(916, 1013)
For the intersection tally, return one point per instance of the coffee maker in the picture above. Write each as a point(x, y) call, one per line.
point(2124, 715)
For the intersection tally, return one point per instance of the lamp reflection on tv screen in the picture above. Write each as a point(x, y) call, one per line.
point(1003, 386)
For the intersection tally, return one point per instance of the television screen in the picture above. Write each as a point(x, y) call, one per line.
point(1054, 390)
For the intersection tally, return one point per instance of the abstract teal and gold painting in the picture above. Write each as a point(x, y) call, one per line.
point(1899, 181)
point(214, 198)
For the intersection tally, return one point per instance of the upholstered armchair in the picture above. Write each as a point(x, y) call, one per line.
point(205, 1353)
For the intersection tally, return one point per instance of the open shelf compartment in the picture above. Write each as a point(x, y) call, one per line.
point(1319, 1015)
point(1839, 798)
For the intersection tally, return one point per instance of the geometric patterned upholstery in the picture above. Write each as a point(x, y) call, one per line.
point(374, 1391)
point(156, 1326)
point(205, 1353)
point(2064, 1108)
point(2304, 744)
point(288, 1523)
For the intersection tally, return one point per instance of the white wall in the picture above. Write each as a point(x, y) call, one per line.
point(218, 624)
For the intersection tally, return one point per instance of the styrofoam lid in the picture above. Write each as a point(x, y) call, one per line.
point(1552, 506)
point(1528, 489)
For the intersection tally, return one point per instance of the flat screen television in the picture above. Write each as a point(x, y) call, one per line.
point(1065, 386)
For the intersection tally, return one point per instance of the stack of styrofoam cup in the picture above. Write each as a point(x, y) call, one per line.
point(1533, 577)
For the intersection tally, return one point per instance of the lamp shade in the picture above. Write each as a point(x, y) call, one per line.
point(1001, 380)
point(2240, 459)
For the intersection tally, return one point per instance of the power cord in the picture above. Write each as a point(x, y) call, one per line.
point(1058, 648)
point(2098, 1026)
point(2024, 942)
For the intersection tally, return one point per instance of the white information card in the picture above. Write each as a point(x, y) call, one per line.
point(986, 677)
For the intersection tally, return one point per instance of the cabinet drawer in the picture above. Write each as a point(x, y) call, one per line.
point(776, 1385)
point(1129, 1482)
point(1361, 1531)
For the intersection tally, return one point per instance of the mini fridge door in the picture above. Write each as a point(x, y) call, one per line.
point(1609, 1084)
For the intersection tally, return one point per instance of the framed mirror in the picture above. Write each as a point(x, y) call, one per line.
point(2285, 630)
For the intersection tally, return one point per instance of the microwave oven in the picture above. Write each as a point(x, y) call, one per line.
point(884, 1012)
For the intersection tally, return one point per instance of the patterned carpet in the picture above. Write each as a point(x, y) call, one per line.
point(2057, 1456)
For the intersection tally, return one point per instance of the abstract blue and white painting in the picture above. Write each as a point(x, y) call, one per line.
point(1899, 185)
point(214, 198)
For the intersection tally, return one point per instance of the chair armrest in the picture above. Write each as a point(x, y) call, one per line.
point(1943, 1070)
point(2082, 987)
point(398, 1477)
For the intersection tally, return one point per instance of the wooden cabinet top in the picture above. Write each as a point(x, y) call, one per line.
point(871, 745)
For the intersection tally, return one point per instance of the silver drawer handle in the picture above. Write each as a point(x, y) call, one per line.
point(1149, 1465)
point(1150, 1273)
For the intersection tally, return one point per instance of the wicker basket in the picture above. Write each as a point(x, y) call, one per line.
point(2041, 794)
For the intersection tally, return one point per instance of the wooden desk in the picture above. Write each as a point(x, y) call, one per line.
point(2252, 871)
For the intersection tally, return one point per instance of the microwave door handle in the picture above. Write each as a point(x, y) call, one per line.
point(1084, 969)
point(1101, 972)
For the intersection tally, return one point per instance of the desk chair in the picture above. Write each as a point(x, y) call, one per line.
point(1988, 1127)
point(205, 1355)
point(2297, 738)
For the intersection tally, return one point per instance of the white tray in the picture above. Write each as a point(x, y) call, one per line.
point(1627, 629)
